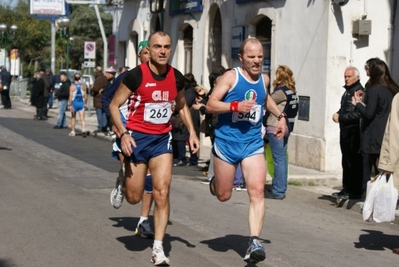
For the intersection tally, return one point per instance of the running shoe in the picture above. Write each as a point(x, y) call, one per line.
point(144, 230)
point(205, 181)
point(72, 133)
point(116, 196)
point(212, 186)
point(255, 253)
point(158, 257)
point(236, 187)
point(84, 134)
point(243, 187)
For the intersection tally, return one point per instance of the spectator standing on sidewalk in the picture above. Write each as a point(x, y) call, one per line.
point(110, 75)
point(284, 95)
point(239, 99)
point(389, 157)
point(77, 101)
point(374, 105)
point(349, 137)
point(5, 80)
point(37, 98)
point(210, 121)
point(46, 92)
point(96, 91)
point(51, 79)
point(181, 136)
point(152, 87)
point(62, 96)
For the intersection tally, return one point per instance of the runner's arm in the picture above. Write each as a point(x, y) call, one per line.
point(121, 95)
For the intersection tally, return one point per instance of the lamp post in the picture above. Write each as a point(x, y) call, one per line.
point(63, 23)
point(5, 36)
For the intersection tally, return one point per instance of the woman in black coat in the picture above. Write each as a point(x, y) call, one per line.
point(374, 107)
point(37, 96)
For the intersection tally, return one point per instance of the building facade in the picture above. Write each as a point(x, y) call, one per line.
point(316, 39)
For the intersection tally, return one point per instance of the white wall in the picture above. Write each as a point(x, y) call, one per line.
point(314, 38)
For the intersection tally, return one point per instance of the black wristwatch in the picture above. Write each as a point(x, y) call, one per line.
point(282, 115)
point(125, 132)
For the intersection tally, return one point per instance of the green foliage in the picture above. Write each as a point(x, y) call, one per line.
point(294, 183)
point(84, 27)
point(33, 37)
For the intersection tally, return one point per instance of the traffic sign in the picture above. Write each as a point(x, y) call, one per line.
point(90, 50)
point(89, 64)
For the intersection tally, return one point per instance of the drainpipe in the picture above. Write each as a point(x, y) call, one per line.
point(392, 33)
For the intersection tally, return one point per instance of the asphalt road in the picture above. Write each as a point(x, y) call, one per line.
point(55, 211)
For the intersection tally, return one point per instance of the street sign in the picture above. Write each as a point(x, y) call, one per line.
point(85, 2)
point(89, 64)
point(90, 50)
point(237, 36)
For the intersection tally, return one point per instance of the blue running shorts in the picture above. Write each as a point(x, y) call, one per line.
point(234, 152)
point(116, 148)
point(150, 146)
point(78, 105)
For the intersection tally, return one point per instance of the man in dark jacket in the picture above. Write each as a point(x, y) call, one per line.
point(96, 91)
point(62, 96)
point(6, 83)
point(51, 80)
point(348, 119)
point(46, 91)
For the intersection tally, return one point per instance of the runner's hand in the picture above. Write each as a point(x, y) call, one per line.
point(127, 144)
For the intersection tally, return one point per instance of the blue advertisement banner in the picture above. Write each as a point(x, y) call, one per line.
point(184, 6)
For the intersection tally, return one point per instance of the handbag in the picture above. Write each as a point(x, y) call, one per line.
point(381, 199)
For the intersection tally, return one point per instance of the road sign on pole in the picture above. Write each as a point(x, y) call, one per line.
point(90, 50)
point(89, 64)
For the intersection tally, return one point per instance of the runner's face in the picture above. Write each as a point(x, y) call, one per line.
point(144, 55)
point(252, 58)
point(160, 47)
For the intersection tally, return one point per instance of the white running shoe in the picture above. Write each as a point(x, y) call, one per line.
point(72, 133)
point(116, 196)
point(158, 257)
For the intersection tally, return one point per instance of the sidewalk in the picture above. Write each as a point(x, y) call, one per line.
point(323, 183)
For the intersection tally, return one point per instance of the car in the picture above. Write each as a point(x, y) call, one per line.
point(88, 79)
point(70, 72)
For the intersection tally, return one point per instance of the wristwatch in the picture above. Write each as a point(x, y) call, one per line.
point(282, 115)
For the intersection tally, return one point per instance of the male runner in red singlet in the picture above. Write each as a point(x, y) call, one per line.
point(152, 88)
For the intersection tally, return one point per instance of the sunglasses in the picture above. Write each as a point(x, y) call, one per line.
point(366, 67)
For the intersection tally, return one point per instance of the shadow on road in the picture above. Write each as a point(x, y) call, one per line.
point(238, 243)
point(377, 240)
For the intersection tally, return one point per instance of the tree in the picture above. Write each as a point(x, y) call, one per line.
point(84, 27)
point(33, 38)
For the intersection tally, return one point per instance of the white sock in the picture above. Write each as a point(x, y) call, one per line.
point(157, 243)
point(142, 219)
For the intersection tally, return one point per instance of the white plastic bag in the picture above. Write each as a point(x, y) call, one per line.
point(385, 201)
point(381, 199)
point(368, 205)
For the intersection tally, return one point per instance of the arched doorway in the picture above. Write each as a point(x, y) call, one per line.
point(188, 49)
point(215, 38)
point(264, 34)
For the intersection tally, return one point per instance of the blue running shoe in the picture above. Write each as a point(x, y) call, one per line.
point(255, 253)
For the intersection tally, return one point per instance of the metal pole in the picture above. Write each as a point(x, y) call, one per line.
point(67, 58)
point(53, 45)
point(105, 42)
